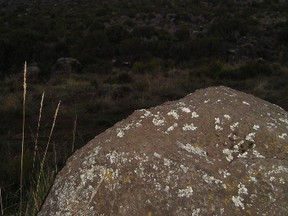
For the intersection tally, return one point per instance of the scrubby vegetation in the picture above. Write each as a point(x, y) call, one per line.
point(124, 55)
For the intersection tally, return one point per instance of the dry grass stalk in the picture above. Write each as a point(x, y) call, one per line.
point(55, 157)
point(1, 202)
point(46, 150)
point(38, 128)
point(23, 136)
point(74, 134)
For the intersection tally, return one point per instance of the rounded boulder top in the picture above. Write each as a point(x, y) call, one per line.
point(217, 151)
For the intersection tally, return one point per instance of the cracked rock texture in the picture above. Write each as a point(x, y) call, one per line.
point(214, 152)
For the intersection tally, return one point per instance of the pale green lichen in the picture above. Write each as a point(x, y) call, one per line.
point(185, 110)
point(189, 127)
point(158, 120)
point(194, 115)
point(195, 150)
point(238, 200)
point(174, 114)
point(186, 192)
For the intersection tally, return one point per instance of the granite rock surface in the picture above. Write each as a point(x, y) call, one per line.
point(217, 151)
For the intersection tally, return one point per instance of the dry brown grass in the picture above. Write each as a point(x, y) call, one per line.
point(1, 202)
point(38, 128)
point(23, 137)
point(41, 183)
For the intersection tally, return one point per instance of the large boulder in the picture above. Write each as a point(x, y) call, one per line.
point(214, 152)
point(68, 65)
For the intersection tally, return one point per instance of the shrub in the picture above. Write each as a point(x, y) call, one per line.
point(205, 47)
point(156, 47)
point(5, 56)
point(24, 45)
point(283, 34)
point(139, 67)
point(97, 25)
point(129, 23)
point(131, 47)
point(195, 49)
point(144, 32)
point(182, 34)
point(283, 58)
point(100, 66)
point(164, 35)
point(228, 28)
point(180, 51)
point(150, 66)
point(249, 70)
point(122, 78)
point(60, 49)
point(212, 69)
point(116, 33)
point(253, 69)
point(102, 11)
point(95, 44)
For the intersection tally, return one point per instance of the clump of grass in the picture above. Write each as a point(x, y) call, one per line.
point(46, 150)
point(41, 179)
point(35, 198)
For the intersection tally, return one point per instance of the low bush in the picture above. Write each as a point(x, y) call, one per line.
point(116, 33)
point(95, 45)
point(252, 69)
point(144, 32)
point(248, 70)
point(99, 66)
point(147, 67)
point(139, 67)
point(20, 45)
point(229, 29)
point(122, 78)
point(180, 52)
point(283, 33)
point(182, 33)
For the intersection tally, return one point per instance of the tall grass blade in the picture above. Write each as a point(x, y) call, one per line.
point(46, 150)
point(1, 202)
point(74, 134)
point(55, 157)
point(38, 128)
point(23, 136)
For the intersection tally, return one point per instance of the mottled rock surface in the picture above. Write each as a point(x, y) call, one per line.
point(214, 152)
